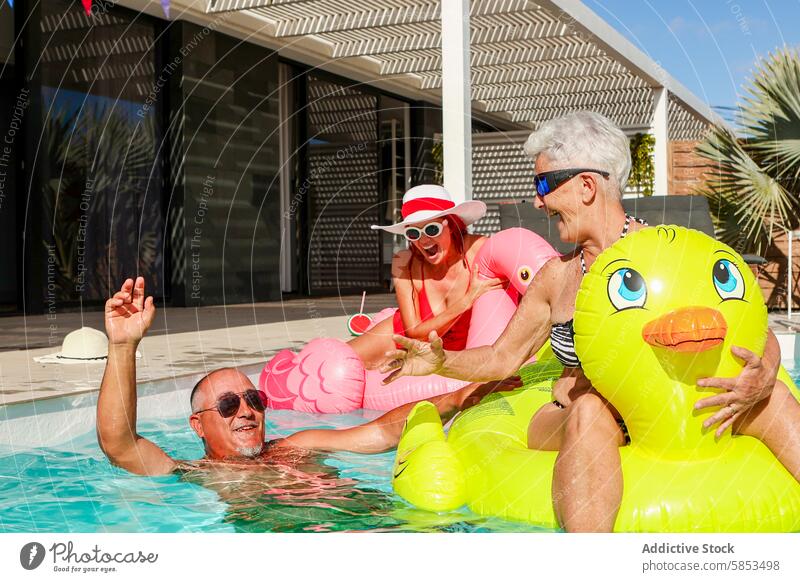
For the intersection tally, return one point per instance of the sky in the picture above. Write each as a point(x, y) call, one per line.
point(710, 46)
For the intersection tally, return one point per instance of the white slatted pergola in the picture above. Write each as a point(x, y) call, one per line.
point(513, 63)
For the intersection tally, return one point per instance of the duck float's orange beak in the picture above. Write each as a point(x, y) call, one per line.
point(690, 329)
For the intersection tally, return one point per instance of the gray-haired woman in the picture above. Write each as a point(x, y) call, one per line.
point(582, 164)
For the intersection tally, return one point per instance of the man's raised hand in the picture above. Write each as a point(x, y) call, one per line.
point(128, 314)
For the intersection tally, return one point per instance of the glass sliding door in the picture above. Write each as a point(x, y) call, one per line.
point(395, 174)
point(344, 254)
point(97, 162)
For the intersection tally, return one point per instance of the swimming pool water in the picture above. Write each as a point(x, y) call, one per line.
point(75, 489)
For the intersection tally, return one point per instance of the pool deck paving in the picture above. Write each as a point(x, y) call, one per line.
point(189, 341)
point(181, 342)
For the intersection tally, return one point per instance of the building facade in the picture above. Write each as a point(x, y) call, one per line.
point(241, 150)
point(218, 170)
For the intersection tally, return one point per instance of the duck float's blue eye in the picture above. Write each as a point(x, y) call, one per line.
point(728, 280)
point(627, 289)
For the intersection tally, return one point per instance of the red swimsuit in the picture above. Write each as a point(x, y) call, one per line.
point(455, 338)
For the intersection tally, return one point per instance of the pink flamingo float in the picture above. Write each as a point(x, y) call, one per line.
point(328, 376)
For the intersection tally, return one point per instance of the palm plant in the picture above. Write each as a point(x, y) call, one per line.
point(643, 171)
point(753, 185)
point(437, 152)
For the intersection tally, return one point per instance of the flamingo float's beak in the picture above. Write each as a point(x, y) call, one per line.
point(689, 329)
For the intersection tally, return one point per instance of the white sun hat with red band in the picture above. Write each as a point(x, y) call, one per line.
point(429, 201)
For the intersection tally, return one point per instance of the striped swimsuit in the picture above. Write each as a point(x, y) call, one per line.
point(562, 335)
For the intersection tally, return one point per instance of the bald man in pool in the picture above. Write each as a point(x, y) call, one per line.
point(227, 410)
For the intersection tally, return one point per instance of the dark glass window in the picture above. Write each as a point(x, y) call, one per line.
point(98, 160)
point(13, 105)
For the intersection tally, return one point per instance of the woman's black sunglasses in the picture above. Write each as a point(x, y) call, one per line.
point(228, 403)
point(546, 182)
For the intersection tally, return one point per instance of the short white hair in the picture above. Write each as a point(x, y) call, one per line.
point(584, 139)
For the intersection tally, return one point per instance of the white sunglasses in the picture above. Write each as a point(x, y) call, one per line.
point(432, 229)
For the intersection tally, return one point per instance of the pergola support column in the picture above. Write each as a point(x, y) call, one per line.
point(660, 130)
point(456, 102)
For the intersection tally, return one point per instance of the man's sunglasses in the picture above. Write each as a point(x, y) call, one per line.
point(432, 229)
point(547, 182)
point(228, 403)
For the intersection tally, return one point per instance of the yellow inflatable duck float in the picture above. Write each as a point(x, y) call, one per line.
point(658, 310)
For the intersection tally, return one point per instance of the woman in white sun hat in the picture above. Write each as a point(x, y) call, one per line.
point(438, 281)
point(434, 282)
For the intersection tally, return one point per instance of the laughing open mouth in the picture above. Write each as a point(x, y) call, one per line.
point(431, 250)
point(246, 428)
